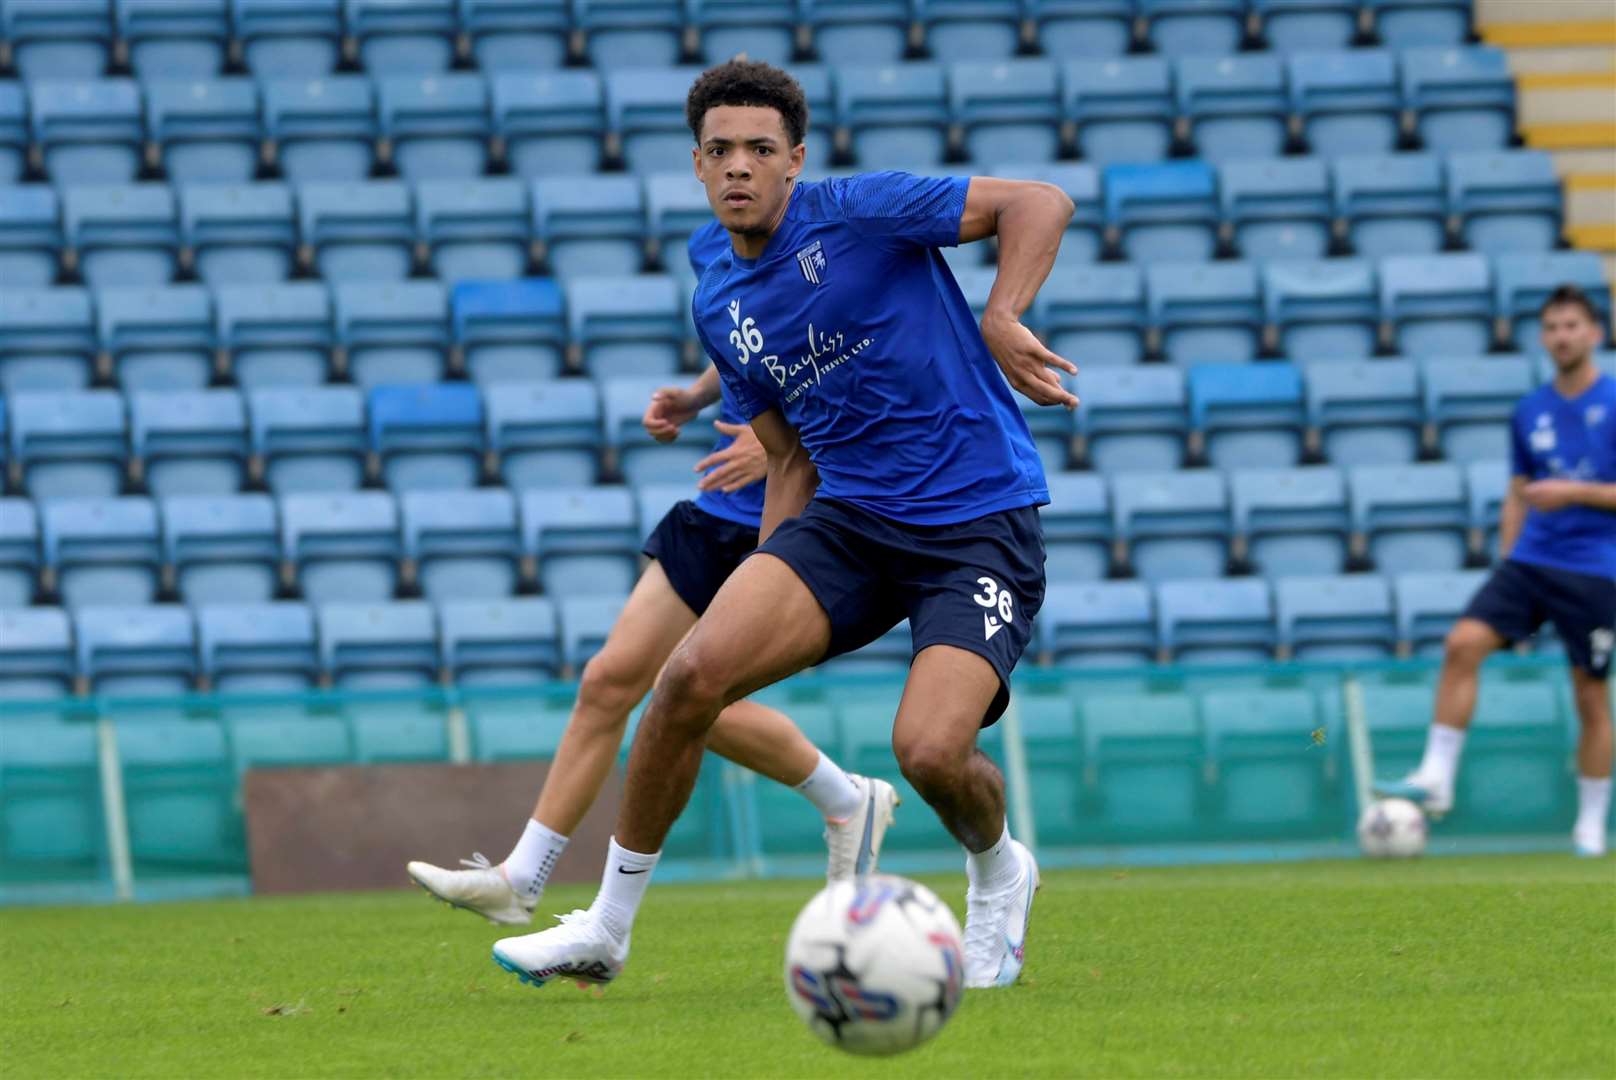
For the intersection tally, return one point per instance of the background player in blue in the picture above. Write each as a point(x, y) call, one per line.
point(846, 342)
point(1557, 537)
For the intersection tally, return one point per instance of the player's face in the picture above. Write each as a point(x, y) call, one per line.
point(747, 164)
point(1569, 335)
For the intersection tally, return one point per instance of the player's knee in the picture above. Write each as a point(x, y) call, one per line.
point(689, 685)
point(609, 685)
point(1468, 643)
point(927, 763)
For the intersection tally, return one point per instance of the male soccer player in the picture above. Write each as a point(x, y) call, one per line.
point(1557, 537)
point(847, 344)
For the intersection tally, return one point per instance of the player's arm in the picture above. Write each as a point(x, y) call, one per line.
point(1550, 495)
point(792, 478)
point(672, 407)
point(1511, 515)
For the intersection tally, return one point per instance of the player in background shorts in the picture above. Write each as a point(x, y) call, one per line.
point(1557, 538)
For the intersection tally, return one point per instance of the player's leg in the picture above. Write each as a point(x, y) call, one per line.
point(1590, 836)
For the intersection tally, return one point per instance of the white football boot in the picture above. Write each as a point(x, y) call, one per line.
point(482, 888)
point(581, 949)
point(1590, 843)
point(996, 926)
point(855, 844)
point(1428, 793)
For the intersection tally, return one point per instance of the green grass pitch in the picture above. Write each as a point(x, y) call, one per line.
point(1462, 967)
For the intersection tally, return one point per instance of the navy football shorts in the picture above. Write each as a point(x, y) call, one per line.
point(975, 585)
point(698, 551)
point(1520, 597)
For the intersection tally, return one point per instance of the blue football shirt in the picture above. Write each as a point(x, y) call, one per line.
point(851, 325)
point(1556, 438)
point(744, 507)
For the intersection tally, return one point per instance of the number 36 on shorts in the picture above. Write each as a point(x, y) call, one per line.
point(992, 596)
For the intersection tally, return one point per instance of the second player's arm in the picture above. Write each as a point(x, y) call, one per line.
point(1511, 516)
point(792, 478)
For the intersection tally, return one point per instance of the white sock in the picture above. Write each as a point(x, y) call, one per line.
point(1443, 745)
point(622, 887)
point(994, 868)
point(528, 865)
point(831, 790)
point(1593, 802)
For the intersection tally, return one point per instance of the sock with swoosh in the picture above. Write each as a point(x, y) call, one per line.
point(622, 887)
point(995, 868)
point(831, 790)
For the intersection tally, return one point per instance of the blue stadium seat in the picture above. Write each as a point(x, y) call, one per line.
point(593, 228)
point(157, 338)
point(67, 445)
point(257, 647)
point(88, 132)
point(289, 38)
point(1077, 527)
point(1308, 25)
point(400, 39)
point(1438, 305)
point(1178, 27)
point(123, 235)
point(1250, 415)
point(1228, 621)
point(1507, 203)
point(1469, 404)
point(1132, 417)
point(1175, 524)
point(895, 116)
point(586, 540)
point(51, 39)
point(645, 109)
point(1405, 24)
point(1095, 315)
point(1326, 309)
point(308, 438)
point(640, 458)
point(174, 39)
point(675, 206)
point(239, 233)
point(1462, 98)
point(816, 88)
point(1009, 110)
point(206, 130)
point(30, 235)
point(547, 434)
point(1410, 517)
point(626, 326)
point(1082, 28)
point(1365, 412)
point(1523, 282)
point(358, 232)
point(631, 33)
point(126, 650)
point(1486, 484)
point(1264, 787)
point(50, 800)
point(429, 436)
point(523, 727)
point(1428, 604)
point(1348, 101)
point(437, 125)
point(13, 133)
point(101, 551)
point(189, 442)
point(1336, 618)
point(585, 623)
point(224, 550)
point(179, 793)
point(1236, 105)
point(858, 31)
point(463, 544)
point(379, 646)
point(47, 339)
point(510, 330)
point(474, 229)
point(19, 552)
point(1291, 521)
point(264, 739)
point(516, 35)
point(276, 335)
point(1205, 312)
point(36, 653)
point(500, 642)
point(653, 501)
point(1392, 204)
point(394, 332)
point(1278, 209)
point(1097, 624)
point(763, 30)
point(1085, 232)
point(1145, 764)
point(551, 122)
point(1165, 213)
point(342, 546)
point(324, 128)
point(963, 30)
point(1123, 108)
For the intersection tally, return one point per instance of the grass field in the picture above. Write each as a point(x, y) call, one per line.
point(1495, 967)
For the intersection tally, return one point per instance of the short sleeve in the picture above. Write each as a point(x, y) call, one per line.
point(731, 384)
point(1520, 456)
point(920, 210)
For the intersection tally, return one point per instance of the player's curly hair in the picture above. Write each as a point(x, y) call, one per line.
point(748, 82)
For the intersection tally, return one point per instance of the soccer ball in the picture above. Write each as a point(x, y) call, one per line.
point(874, 965)
point(1391, 829)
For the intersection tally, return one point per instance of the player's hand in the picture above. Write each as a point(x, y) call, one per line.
point(1031, 368)
point(1547, 495)
point(741, 463)
point(671, 408)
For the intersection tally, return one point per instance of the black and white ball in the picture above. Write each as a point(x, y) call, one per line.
point(1391, 829)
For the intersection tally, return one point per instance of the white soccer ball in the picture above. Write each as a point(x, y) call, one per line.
point(874, 965)
point(1391, 829)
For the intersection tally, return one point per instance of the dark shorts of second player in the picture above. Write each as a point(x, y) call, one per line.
point(1519, 597)
point(698, 551)
point(975, 585)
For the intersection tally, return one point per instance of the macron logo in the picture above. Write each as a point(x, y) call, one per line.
point(990, 626)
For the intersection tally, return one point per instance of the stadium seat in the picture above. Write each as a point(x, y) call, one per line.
point(626, 326)
point(58, 39)
point(19, 552)
point(122, 235)
point(289, 38)
point(1392, 204)
point(429, 436)
point(67, 445)
point(1462, 98)
point(1095, 315)
point(1145, 766)
point(1277, 209)
point(1515, 766)
point(1097, 624)
point(267, 738)
point(223, 550)
point(1008, 110)
point(47, 339)
point(1438, 305)
point(463, 544)
point(189, 442)
point(516, 35)
point(379, 646)
point(50, 800)
point(1334, 619)
point(1291, 522)
point(239, 233)
point(510, 331)
point(896, 116)
point(206, 130)
point(585, 623)
point(645, 109)
point(1250, 415)
point(546, 434)
point(1523, 282)
point(1507, 203)
point(1348, 101)
point(1123, 108)
point(1178, 27)
point(88, 132)
point(1323, 310)
point(157, 338)
point(675, 206)
point(341, 546)
point(323, 127)
point(519, 727)
point(1428, 604)
point(762, 30)
point(1084, 234)
point(128, 650)
point(1365, 412)
point(1164, 213)
point(437, 125)
point(394, 332)
point(1077, 527)
point(858, 31)
point(1405, 24)
point(1469, 404)
point(413, 38)
point(631, 33)
point(276, 335)
point(1217, 621)
point(1308, 25)
point(1410, 517)
point(638, 457)
point(652, 502)
point(815, 80)
point(13, 133)
point(1265, 787)
point(585, 539)
point(971, 30)
point(500, 642)
point(175, 39)
point(1205, 312)
point(362, 232)
point(1486, 484)
point(30, 235)
point(1175, 524)
point(1053, 737)
point(1236, 105)
point(593, 228)
point(1082, 28)
point(36, 655)
point(257, 647)
point(551, 123)
point(179, 795)
point(1133, 417)
point(308, 439)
